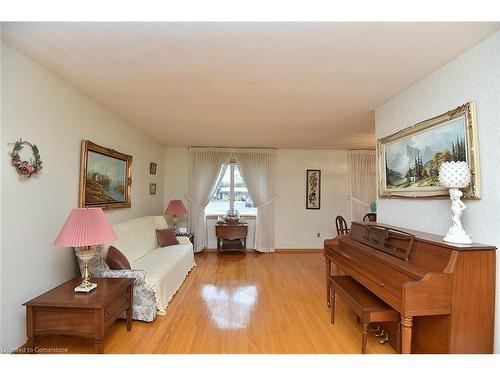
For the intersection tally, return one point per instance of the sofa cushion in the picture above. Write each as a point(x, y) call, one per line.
point(136, 237)
point(116, 260)
point(166, 237)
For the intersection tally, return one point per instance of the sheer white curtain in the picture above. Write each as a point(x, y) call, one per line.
point(362, 182)
point(258, 168)
point(205, 164)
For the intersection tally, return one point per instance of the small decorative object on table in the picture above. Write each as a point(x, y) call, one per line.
point(26, 168)
point(456, 175)
point(232, 217)
point(85, 227)
point(175, 207)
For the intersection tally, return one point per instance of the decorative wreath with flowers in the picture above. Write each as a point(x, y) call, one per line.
point(24, 167)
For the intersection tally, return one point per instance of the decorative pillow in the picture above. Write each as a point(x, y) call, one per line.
point(166, 237)
point(116, 260)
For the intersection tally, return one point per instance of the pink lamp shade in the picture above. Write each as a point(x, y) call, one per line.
point(175, 207)
point(85, 227)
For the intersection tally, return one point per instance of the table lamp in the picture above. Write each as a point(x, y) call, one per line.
point(455, 175)
point(175, 207)
point(85, 227)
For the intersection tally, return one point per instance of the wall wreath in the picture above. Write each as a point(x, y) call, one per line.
point(24, 167)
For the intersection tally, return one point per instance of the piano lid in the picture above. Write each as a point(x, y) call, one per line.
point(432, 238)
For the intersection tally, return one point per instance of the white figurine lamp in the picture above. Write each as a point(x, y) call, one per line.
point(455, 175)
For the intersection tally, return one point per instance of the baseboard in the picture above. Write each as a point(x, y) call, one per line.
point(311, 250)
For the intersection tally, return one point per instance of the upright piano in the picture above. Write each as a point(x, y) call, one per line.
point(444, 293)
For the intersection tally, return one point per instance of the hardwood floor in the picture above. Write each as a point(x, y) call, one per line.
point(236, 303)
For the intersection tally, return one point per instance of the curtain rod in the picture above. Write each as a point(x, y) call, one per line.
point(229, 148)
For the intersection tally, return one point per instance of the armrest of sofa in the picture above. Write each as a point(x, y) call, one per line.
point(138, 275)
point(144, 296)
point(183, 240)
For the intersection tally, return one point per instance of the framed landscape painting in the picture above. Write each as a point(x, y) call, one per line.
point(409, 160)
point(105, 177)
point(313, 189)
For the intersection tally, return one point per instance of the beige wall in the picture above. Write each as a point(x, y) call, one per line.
point(2, 152)
point(295, 226)
point(473, 76)
point(39, 107)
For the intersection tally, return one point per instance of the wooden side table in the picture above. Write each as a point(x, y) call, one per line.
point(231, 232)
point(61, 311)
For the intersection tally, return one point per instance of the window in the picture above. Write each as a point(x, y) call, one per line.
point(231, 193)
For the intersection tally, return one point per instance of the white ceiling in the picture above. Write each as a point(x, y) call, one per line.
point(287, 85)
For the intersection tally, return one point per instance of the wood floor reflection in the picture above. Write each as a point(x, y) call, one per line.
point(235, 303)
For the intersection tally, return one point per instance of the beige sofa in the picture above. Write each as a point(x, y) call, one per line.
point(166, 267)
point(158, 272)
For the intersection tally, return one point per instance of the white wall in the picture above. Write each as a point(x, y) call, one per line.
point(296, 227)
point(2, 150)
point(474, 76)
point(43, 109)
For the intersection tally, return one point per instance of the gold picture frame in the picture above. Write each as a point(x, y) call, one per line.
point(105, 177)
point(455, 130)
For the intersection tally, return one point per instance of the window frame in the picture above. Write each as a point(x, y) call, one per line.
point(232, 166)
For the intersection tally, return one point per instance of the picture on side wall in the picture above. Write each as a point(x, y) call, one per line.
point(105, 177)
point(152, 189)
point(409, 161)
point(313, 189)
point(152, 168)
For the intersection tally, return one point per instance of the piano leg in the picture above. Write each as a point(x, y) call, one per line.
point(328, 273)
point(332, 305)
point(406, 328)
point(365, 337)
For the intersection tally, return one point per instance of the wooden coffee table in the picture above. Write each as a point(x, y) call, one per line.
point(61, 311)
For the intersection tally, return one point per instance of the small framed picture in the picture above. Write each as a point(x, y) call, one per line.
point(313, 189)
point(152, 168)
point(152, 189)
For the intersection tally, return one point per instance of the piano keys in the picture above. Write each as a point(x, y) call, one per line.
point(444, 293)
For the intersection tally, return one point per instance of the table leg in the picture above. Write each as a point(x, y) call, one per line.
point(406, 330)
point(99, 346)
point(328, 271)
point(99, 330)
point(245, 243)
point(332, 305)
point(30, 344)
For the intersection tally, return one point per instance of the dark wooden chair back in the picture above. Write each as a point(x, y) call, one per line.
point(370, 216)
point(341, 225)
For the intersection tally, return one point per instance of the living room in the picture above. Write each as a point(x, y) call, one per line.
point(179, 187)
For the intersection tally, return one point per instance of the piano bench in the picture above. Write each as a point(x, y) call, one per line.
point(366, 305)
